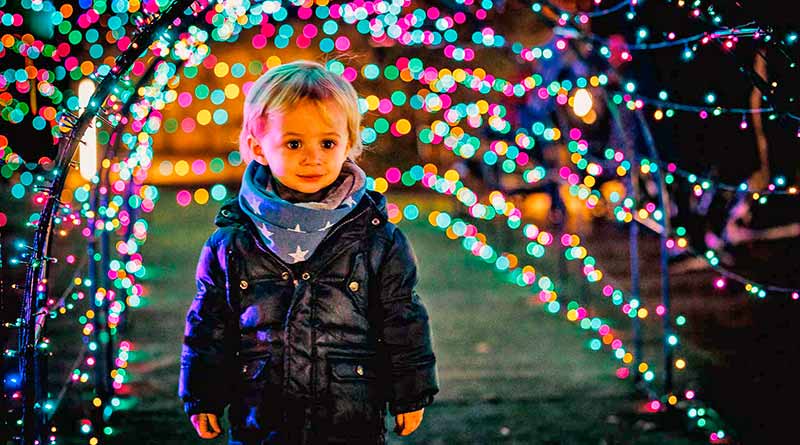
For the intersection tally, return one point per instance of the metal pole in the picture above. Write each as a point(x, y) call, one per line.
point(2, 282)
point(663, 204)
point(635, 285)
point(93, 275)
point(34, 295)
point(632, 186)
point(108, 361)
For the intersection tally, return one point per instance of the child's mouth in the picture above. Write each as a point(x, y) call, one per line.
point(310, 178)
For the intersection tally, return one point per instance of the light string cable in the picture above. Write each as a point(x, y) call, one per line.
point(768, 90)
point(750, 285)
point(745, 30)
point(573, 33)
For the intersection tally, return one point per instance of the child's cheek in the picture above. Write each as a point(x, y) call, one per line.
point(277, 167)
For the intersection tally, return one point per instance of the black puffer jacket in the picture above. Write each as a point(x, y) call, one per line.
point(309, 353)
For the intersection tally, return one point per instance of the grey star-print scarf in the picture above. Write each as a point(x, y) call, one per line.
point(294, 230)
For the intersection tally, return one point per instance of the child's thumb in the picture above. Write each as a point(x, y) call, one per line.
point(200, 423)
point(214, 422)
point(399, 423)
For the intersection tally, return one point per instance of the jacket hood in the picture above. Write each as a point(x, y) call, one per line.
point(232, 214)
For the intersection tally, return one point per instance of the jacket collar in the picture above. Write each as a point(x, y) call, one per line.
point(369, 214)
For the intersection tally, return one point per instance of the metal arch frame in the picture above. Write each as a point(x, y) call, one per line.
point(31, 315)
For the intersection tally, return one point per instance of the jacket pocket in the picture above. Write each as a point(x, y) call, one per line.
point(251, 412)
point(354, 398)
point(252, 378)
point(254, 368)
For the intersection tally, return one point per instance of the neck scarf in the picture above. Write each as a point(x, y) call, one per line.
point(289, 222)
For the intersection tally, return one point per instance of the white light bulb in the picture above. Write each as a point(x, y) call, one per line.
point(582, 102)
point(88, 146)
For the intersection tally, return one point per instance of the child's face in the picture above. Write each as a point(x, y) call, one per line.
point(304, 146)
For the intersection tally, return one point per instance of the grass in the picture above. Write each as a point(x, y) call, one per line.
point(509, 372)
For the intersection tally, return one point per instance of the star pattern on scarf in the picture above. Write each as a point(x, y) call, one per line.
point(296, 229)
point(328, 225)
point(299, 255)
point(267, 234)
point(254, 202)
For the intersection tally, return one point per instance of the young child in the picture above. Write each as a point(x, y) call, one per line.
point(306, 323)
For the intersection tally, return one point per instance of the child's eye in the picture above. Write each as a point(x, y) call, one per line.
point(329, 143)
point(293, 144)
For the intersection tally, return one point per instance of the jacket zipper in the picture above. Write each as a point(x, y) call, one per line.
point(313, 304)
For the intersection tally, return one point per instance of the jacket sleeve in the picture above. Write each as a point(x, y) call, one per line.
point(207, 355)
point(406, 331)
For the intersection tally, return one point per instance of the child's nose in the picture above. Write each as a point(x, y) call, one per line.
point(313, 155)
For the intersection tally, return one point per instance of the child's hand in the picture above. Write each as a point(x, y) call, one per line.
point(206, 425)
point(407, 423)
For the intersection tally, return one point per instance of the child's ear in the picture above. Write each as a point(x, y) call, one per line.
point(256, 150)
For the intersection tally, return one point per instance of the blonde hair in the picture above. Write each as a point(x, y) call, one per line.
point(286, 85)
